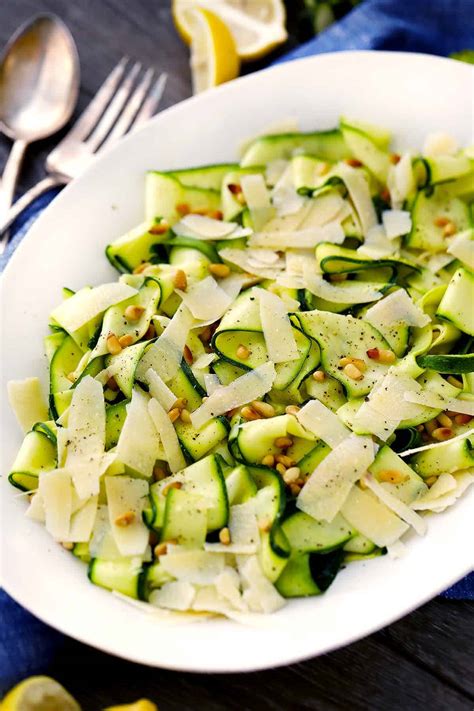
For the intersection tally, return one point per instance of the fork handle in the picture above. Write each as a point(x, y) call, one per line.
point(10, 176)
point(22, 203)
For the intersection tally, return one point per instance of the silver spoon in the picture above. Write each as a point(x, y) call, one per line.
point(39, 85)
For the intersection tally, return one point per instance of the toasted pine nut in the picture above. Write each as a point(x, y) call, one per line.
point(126, 340)
point(386, 356)
point(183, 208)
point(392, 476)
point(174, 414)
point(385, 195)
point(450, 229)
point(358, 362)
point(150, 333)
point(363, 483)
point(319, 376)
point(444, 420)
point(160, 549)
point(224, 536)
point(234, 188)
point(242, 352)
point(420, 428)
point(173, 485)
point(373, 353)
point(462, 419)
point(354, 162)
point(180, 280)
point(286, 461)
point(71, 377)
point(133, 312)
point(249, 414)
point(353, 372)
point(291, 475)
point(441, 221)
point(292, 409)
point(67, 545)
point(336, 278)
point(219, 270)
point(283, 442)
point(442, 433)
point(344, 361)
point(159, 229)
point(141, 267)
point(395, 158)
point(125, 519)
point(454, 382)
point(113, 344)
point(322, 168)
point(431, 425)
point(188, 355)
point(180, 403)
point(431, 480)
point(215, 214)
point(281, 469)
point(295, 489)
point(268, 460)
point(263, 408)
point(112, 384)
point(185, 416)
point(264, 526)
point(159, 473)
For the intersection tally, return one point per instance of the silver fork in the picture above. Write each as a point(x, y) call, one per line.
point(123, 102)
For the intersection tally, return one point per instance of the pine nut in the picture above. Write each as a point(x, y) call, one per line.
point(126, 340)
point(224, 536)
point(281, 469)
point(395, 158)
point(234, 188)
point(159, 473)
point(291, 475)
point(160, 549)
point(242, 352)
point(268, 460)
point(363, 483)
point(112, 384)
point(283, 442)
point(353, 372)
point(431, 480)
point(462, 419)
point(180, 403)
point(219, 270)
point(215, 214)
point(322, 168)
point(449, 230)
point(454, 382)
point(188, 355)
point(180, 280)
point(373, 353)
point(431, 426)
point(125, 519)
point(295, 489)
point(420, 428)
point(319, 376)
point(336, 278)
point(264, 526)
point(174, 414)
point(173, 485)
point(392, 476)
point(286, 461)
point(249, 414)
point(159, 229)
point(292, 409)
point(344, 361)
point(441, 221)
point(385, 195)
point(150, 333)
point(133, 312)
point(67, 545)
point(442, 433)
point(386, 356)
point(263, 408)
point(141, 267)
point(113, 344)
point(444, 420)
point(185, 416)
point(71, 377)
point(183, 209)
point(354, 162)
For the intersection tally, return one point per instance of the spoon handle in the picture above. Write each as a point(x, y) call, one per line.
point(10, 176)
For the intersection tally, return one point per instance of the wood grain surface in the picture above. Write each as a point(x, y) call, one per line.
point(424, 661)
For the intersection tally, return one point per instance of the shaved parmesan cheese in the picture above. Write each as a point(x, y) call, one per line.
point(27, 402)
point(358, 188)
point(462, 247)
point(396, 505)
point(396, 550)
point(231, 548)
point(62, 442)
point(396, 308)
point(102, 544)
point(436, 262)
point(439, 143)
point(240, 258)
point(168, 436)
point(205, 299)
point(354, 293)
point(429, 399)
point(193, 566)
point(211, 383)
point(85, 453)
point(177, 595)
point(207, 228)
point(368, 515)
point(257, 198)
point(328, 486)
point(55, 489)
point(274, 170)
point(204, 360)
point(286, 200)
point(139, 445)
point(265, 257)
point(440, 502)
point(82, 522)
point(227, 585)
point(396, 223)
point(127, 497)
point(324, 208)
point(87, 303)
point(166, 354)
point(248, 387)
point(423, 448)
point(259, 594)
point(321, 421)
point(277, 329)
point(232, 285)
point(401, 180)
point(304, 238)
point(444, 484)
point(243, 524)
point(35, 510)
point(376, 244)
point(159, 390)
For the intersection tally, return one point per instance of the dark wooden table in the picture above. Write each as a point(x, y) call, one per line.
point(425, 661)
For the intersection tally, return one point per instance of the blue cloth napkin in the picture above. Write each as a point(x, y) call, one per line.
point(439, 27)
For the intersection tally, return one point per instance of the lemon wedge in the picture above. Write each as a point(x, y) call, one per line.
point(39, 693)
point(140, 705)
point(214, 58)
point(257, 26)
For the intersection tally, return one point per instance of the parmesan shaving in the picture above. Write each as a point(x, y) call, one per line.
point(177, 595)
point(462, 247)
point(159, 390)
point(425, 447)
point(277, 329)
point(207, 228)
point(401, 180)
point(358, 188)
point(257, 198)
point(211, 383)
point(165, 355)
point(439, 143)
point(462, 481)
point(206, 300)
point(304, 238)
point(241, 259)
point(248, 387)
point(368, 515)
point(428, 399)
point(396, 308)
point(353, 293)
point(27, 401)
point(243, 524)
point(321, 421)
point(55, 489)
point(396, 505)
point(376, 244)
point(193, 566)
point(87, 303)
point(126, 499)
point(259, 594)
point(139, 445)
point(168, 436)
point(396, 223)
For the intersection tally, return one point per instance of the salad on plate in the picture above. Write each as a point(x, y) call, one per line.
point(279, 383)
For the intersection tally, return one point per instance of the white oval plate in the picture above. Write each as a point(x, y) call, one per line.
point(410, 94)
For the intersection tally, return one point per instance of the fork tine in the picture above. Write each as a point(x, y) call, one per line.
point(114, 109)
point(151, 102)
point(90, 116)
point(128, 114)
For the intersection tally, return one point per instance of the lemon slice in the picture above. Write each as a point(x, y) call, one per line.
point(140, 705)
point(256, 25)
point(39, 693)
point(214, 58)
